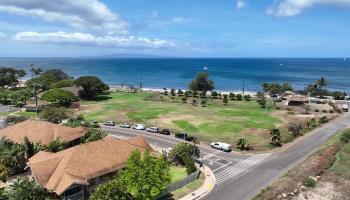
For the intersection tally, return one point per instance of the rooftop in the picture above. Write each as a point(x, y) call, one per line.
point(41, 132)
point(76, 165)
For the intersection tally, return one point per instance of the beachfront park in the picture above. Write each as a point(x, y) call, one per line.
point(214, 121)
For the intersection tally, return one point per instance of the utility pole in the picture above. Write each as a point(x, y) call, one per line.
point(141, 85)
point(243, 88)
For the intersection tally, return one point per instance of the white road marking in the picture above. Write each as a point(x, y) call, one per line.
point(238, 168)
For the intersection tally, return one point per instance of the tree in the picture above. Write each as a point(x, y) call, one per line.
point(262, 102)
point(10, 76)
point(194, 102)
point(23, 189)
point(181, 150)
point(180, 92)
point(36, 71)
point(13, 157)
point(29, 148)
point(172, 92)
point(202, 83)
point(63, 83)
point(195, 94)
point(145, 177)
point(92, 86)
point(94, 134)
point(112, 190)
point(296, 129)
point(62, 97)
point(247, 97)
point(53, 114)
point(232, 96)
point(243, 144)
point(275, 137)
point(56, 145)
point(189, 164)
point(47, 78)
point(12, 119)
point(322, 82)
point(225, 100)
point(214, 94)
point(188, 93)
point(239, 97)
point(203, 102)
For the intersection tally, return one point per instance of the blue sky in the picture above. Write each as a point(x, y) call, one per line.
point(191, 28)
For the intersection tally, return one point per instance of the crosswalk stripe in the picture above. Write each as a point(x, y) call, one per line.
point(239, 167)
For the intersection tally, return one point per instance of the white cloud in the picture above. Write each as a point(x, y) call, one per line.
point(82, 14)
point(240, 4)
point(83, 39)
point(289, 8)
point(154, 14)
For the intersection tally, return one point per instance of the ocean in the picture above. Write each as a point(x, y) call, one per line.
point(228, 74)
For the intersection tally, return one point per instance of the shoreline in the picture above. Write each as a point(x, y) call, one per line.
point(148, 89)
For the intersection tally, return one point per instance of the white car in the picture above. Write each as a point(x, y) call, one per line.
point(221, 146)
point(139, 127)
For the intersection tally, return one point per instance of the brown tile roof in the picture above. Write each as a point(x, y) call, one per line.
point(41, 132)
point(76, 165)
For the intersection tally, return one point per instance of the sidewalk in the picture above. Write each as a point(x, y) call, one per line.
point(208, 185)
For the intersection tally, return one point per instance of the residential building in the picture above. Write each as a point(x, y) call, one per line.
point(74, 173)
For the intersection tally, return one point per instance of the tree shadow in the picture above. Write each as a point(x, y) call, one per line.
point(100, 98)
point(167, 196)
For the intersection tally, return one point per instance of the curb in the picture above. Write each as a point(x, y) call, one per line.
point(206, 188)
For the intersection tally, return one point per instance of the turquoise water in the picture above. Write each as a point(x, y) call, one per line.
point(228, 74)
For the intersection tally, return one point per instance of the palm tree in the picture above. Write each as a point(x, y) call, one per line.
point(22, 189)
point(36, 71)
point(321, 82)
point(276, 137)
point(243, 144)
point(14, 158)
point(56, 145)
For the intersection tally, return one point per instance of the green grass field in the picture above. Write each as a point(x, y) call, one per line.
point(177, 173)
point(213, 122)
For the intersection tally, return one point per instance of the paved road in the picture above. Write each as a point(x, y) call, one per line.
point(241, 177)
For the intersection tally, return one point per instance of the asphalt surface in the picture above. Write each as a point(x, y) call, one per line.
point(242, 177)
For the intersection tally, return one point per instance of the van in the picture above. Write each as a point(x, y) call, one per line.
point(221, 146)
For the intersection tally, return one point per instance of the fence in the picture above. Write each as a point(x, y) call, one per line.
point(177, 185)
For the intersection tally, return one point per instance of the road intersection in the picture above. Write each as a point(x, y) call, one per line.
point(242, 176)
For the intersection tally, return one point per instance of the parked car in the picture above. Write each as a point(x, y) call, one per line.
point(153, 129)
point(221, 146)
point(125, 125)
point(345, 108)
point(139, 127)
point(165, 132)
point(95, 124)
point(109, 123)
point(191, 138)
point(181, 135)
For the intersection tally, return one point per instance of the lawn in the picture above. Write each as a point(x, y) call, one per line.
point(213, 122)
point(342, 164)
point(177, 173)
point(26, 114)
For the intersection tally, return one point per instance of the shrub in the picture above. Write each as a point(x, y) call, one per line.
point(225, 101)
point(345, 137)
point(309, 182)
point(62, 97)
point(172, 92)
point(203, 103)
point(182, 150)
point(184, 99)
point(15, 119)
point(189, 164)
point(331, 111)
point(247, 97)
point(323, 119)
point(232, 96)
point(63, 83)
point(324, 111)
point(317, 110)
point(194, 102)
point(94, 134)
point(53, 115)
point(239, 97)
point(278, 108)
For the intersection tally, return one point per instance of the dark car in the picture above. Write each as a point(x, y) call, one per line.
point(191, 138)
point(95, 124)
point(181, 135)
point(165, 132)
